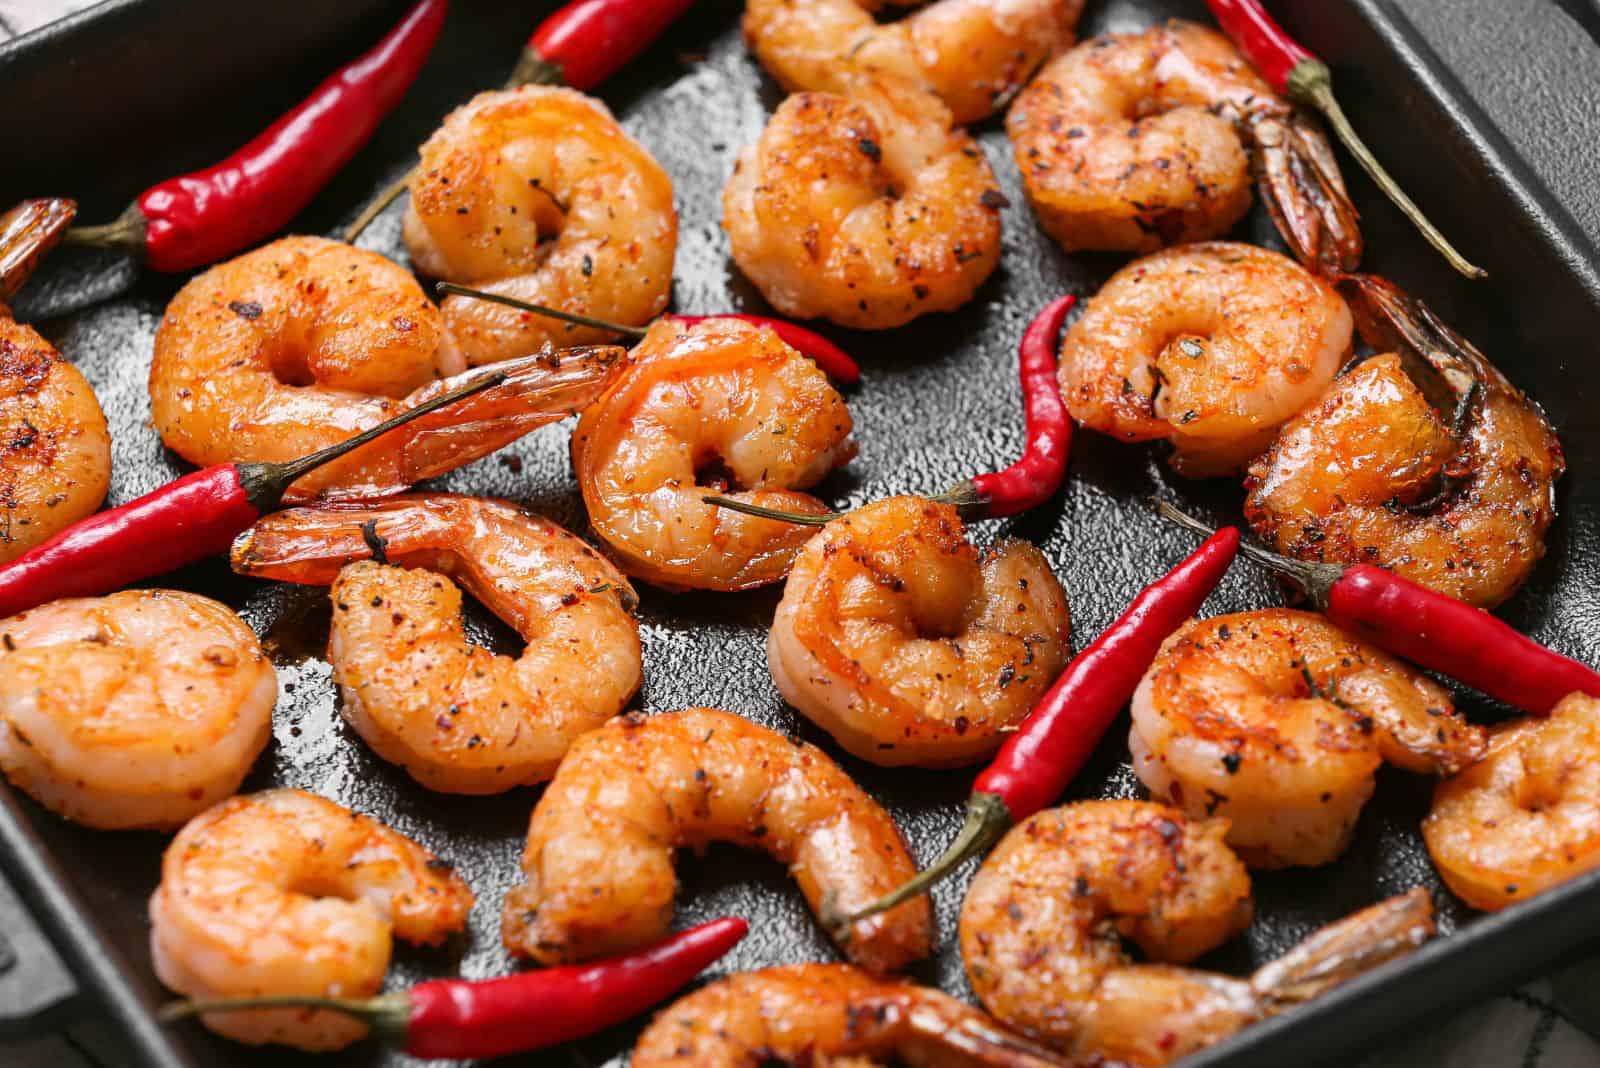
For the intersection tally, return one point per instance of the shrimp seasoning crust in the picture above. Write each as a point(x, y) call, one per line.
point(133, 711)
point(456, 716)
point(1277, 720)
point(908, 644)
point(598, 862)
point(717, 407)
point(1211, 347)
point(283, 893)
point(537, 193)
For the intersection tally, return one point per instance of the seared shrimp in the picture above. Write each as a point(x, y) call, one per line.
point(1374, 473)
point(56, 463)
point(827, 1014)
point(283, 893)
point(868, 209)
point(717, 407)
point(305, 342)
point(457, 717)
point(1211, 347)
point(910, 646)
point(1040, 927)
point(598, 862)
point(136, 710)
point(1527, 816)
point(537, 193)
point(1131, 142)
point(975, 54)
point(1277, 720)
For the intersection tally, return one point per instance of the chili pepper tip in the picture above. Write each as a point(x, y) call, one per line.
point(1313, 579)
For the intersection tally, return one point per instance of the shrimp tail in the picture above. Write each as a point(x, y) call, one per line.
point(27, 233)
point(956, 1027)
point(1300, 184)
point(1345, 949)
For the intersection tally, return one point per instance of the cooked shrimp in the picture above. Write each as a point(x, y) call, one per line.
point(282, 893)
point(1527, 816)
point(457, 717)
point(1130, 142)
point(910, 646)
point(975, 54)
point(827, 1014)
point(1277, 720)
point(1211, 347)
point(304, 342)
point(1041, 924)
point(537, 193)
point(1373, 473)
point(136, 710)
point(868, 209)
point(717, 407)
point(598, 862)
point(57, 451)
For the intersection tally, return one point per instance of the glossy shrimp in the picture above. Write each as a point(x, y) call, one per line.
point(133, 711)
point(865, 206)
point(1211, 347)
point(1527, 816)
point(304, 342)
point(1042, 930)
point(1424, 460)
point(538, 193)
point(908, 644)
point(598, 862)
point(283, 893)
point(1130, 142)
point(717, 407)
point(827, 1014)
point(1277, 721)
point(456, 716)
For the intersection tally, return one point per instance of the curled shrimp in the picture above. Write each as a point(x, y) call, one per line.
point(975, 54)
point(868, 208)
point(717, 407)
point(1130, 142)
point(456, 716)
point(1375, 473)
point(133, 711)
point(1211, 347)
point(284, 893)
point(305, 342)
point(908, 644)
point(538, 194)
point(827, 1014)
point(598, 862)
point(1527, 816)
point(1040, 927)
point(1277, 720)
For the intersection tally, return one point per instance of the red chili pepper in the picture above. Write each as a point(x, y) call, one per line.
point(452, 1019)
point(187, 520)
point(200, 218)
point(588, 41)
point(1299, 75)
point(1039, 761)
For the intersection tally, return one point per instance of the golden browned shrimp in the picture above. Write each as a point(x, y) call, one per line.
point(868, 209)
point(598, 861)
point(136, 710)
point(1131, 142)
point(1375, 474)
point(827, 1014)
point(910, 646)
point(285, 893)
point(1278, 720)
point(454, 715)
point(1210, 346)
point(305, 342)
point(1042, 930)
point(717, 407)
point(537, 193)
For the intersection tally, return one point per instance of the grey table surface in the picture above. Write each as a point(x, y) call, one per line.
point(1545, 98)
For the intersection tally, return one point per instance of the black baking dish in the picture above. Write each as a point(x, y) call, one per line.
point(135, 90)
